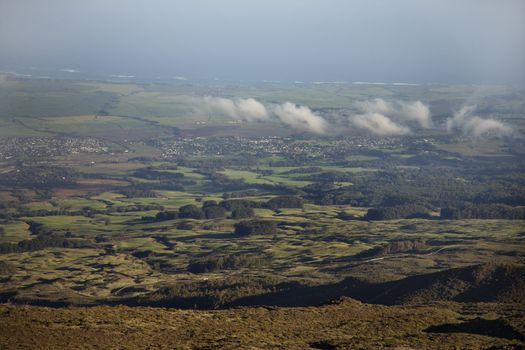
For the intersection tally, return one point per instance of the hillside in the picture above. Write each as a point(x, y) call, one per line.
point(479, 283)
point(347, 324)
point(499, 283)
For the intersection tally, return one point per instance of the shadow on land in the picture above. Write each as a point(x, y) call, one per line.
point(478, 283)
point(498, 328)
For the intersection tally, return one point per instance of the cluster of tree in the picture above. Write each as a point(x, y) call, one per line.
point(152, 174)
point(239, 194)
point(213, 211)
point(242, 213)
point(134, 192)
point(233, 204)
point(209, 210)
point(273, 203)
point(191, 211)
point(38, 177)
point(44, 241)
point(255, 227)
point(36, 228)
point(85, 211)
point(484, 211)
point(405, 211)
point(161, 216)
point(239, 208)
point(437, 187)
point(228, 262)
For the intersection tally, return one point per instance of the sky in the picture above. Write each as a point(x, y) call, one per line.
point(414, 41)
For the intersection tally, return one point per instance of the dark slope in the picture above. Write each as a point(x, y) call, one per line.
point(497, 283)
point(478, 283)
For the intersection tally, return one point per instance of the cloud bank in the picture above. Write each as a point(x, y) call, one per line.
point(472, 125)
point(379, 124)
point(247, 109)
point(402, 112)
point(391, 118)
point(298, 117)
point(377, 116)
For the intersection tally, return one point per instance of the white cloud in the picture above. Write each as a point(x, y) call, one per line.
point(300, 117)
point(249, 109)
point(379, 124)
point(411, 112)
point(417, 112)
point(473, 125)
point(246, 109)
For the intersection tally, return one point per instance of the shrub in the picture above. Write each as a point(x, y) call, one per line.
point(214, 211)
point(191, 211)
point(238, 203)
point(242, 213)
point(166, 215)
point(255, 227)
point(230, 262)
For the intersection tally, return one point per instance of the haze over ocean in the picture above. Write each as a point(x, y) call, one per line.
point(404, 41)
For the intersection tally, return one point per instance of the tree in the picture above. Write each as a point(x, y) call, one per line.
point(166, 215)
point(191, 211)
point(241, 213)
point(209, 203)
point(214, 211)
point(238, 203)
point(255, 227)
point(408, 211)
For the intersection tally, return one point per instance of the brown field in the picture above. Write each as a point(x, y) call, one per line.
point(63, 193)
point(108, 182)
point(347, 324)
point(6, 196)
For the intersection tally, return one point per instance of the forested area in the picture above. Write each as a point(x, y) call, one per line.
point(44, 241)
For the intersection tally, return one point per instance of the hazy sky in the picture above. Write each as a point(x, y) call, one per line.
point(308, 40)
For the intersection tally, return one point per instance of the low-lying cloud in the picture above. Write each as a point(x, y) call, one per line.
point(378, 124)
point(470, 124)
point(247, 109)
point(298, 117)
point(402, 112)
point(377, 116)
point(391, 118)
